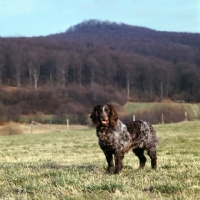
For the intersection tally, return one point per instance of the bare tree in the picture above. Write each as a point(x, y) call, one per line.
point(34, 71)
point(92, 67)
point(76, 67)
point(17, 58)
point(62, 62)
point(126, 61)
point(108, 66)
point(34, 64)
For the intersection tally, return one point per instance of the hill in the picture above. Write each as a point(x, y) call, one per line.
point(134, 39)
point(96, 62)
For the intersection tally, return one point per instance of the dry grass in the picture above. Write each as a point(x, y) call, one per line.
point(70, 165)
point(173, 112)
point(11, 128)
point(48, 128)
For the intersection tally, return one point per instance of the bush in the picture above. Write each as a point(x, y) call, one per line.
point(172, 113)
point(101, 95)
point(11, 129)
point(75, 113)
point(3, 112)
point(13, 113)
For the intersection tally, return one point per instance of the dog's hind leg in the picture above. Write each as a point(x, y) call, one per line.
point(152, 154)
point(140, 154)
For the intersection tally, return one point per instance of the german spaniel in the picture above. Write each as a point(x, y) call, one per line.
point(117, 138)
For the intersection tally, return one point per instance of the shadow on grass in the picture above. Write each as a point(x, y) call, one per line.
point(71, 169)
point(86, 167)
point(54, 166)
point(74, 167)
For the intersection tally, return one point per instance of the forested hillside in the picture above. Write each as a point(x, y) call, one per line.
point(97, 61)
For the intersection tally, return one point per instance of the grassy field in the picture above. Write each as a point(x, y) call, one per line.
point(70, 165)
point(192, 109)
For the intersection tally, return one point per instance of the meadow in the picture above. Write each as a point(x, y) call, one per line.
point(70, 165)
point(193, 109)
point(172, 111)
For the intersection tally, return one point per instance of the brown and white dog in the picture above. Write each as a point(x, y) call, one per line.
point(117, 138)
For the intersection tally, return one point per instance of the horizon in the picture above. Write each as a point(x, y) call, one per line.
point(142, 27)
point(34, 18)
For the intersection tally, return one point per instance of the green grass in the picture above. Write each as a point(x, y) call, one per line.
point(71, 166)
point(193, 110)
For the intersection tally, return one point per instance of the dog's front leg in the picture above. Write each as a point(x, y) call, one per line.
point(110, 162)
point(119, 156)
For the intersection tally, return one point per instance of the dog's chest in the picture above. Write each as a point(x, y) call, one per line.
point(116, 139)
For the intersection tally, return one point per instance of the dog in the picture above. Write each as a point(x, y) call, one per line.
point(117, 138)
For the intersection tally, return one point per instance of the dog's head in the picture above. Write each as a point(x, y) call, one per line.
point(104, 115)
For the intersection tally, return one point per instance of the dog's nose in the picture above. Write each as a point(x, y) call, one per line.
point(103, 114)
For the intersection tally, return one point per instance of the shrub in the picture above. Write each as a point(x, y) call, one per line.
point(11, 129)
point(74, 112)
point(171, 114)
point(97, 94)
point(13, 113)
point(3, 112)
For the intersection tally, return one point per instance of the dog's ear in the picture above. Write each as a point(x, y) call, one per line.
point(94, 116)
point(113, 115)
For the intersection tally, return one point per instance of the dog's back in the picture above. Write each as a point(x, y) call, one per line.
point(144, 133)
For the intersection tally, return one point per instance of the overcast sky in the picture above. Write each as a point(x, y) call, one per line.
point(43, 17)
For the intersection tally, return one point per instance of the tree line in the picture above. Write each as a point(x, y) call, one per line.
point(139, 63)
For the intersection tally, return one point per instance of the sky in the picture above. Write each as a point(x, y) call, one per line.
point(32, 18)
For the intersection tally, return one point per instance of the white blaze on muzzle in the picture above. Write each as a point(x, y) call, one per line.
point(104, 116)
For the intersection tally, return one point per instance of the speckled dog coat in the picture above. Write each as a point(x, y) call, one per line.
point(117, 138)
